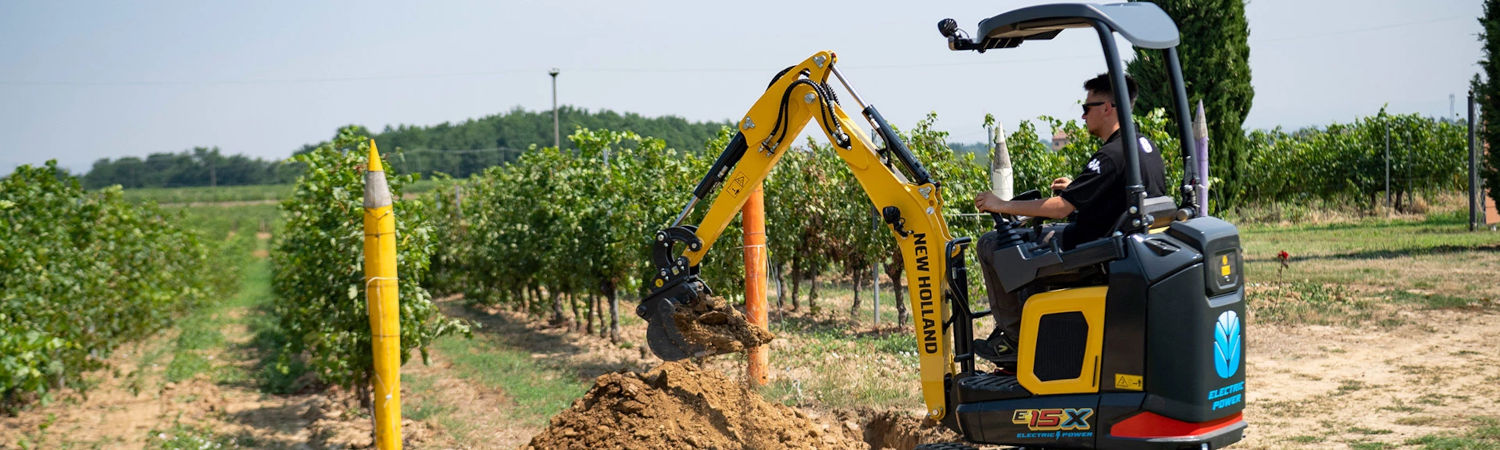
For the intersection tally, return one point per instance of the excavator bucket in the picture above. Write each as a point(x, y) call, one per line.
point(660, 310)
point(684, 320)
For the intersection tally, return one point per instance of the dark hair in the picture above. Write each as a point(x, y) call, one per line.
point(1101, 84)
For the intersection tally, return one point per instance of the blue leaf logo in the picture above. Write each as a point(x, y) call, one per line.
point(1227, 344)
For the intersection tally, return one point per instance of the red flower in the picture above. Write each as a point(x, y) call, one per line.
point(1283, 255)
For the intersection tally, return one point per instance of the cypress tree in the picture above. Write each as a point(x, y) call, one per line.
point(1487, 96)
point(1214, 51)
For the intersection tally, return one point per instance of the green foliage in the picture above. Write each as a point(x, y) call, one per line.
point(567, 222)
point(1215, 58)
point(1350, 160)
point(570, 224)
point(1487, 95)
point(318, 273)
point(82, 272)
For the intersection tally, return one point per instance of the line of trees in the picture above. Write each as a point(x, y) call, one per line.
point(457, 149)
point(469, 147)
point(201, 166)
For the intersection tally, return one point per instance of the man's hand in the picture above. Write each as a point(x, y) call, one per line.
point(1061, 183)
point(988, 202)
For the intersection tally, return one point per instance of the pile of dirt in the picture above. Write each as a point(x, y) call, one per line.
point(718, 328)
point(679, 405)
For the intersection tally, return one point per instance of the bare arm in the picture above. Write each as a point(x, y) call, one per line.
point(1051, 207)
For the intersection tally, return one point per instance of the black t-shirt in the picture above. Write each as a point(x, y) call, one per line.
point(1098, 192)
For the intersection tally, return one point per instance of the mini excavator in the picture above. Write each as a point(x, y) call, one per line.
point(1134, 340)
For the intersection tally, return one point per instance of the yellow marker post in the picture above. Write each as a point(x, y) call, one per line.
point(381, 300)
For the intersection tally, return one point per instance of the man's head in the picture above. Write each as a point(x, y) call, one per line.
point(1099, 113)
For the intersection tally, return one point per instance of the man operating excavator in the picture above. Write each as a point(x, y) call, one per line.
point(1098, 196)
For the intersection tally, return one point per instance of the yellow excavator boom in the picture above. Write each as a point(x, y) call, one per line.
point(912, 207)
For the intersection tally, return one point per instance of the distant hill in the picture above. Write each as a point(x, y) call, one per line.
point(457, 149)
point(462, 149)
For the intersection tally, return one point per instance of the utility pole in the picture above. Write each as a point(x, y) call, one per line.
point(556, 133)
point(1387, 164)
point(1473, 175)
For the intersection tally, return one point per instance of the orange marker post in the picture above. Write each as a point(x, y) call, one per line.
point(753, 219)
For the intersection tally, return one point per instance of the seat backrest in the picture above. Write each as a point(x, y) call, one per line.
point(1161, 209)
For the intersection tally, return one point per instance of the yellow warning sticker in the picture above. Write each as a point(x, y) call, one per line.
point(1131, 382)
point(1224, 270)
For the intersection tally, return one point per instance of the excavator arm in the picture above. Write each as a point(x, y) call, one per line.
point(910, 205)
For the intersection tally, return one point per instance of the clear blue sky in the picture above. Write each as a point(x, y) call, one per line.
point(83, 81)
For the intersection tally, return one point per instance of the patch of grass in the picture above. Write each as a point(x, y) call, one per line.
point(460, 430)
point(1363, 430)
point(849, 369)
point(1431, 301)
point(1369, 445)
point(136, 382)
point(1401, 407)
point(1432, 399)
point(199, 332)
point(1305, 439)
point(787, 392)
point(205, 194)
point(261, 192)
point(1302, 302)
point(1417, 420)
point(539, 388)
point(1488, 428)
point(425, 411)
point(896, 343)
point(1485, 435)
point(1356, 253)
point(429, 408)
point(1347, 386)
point(180, 436)
point(274, 372)
point(862, 383)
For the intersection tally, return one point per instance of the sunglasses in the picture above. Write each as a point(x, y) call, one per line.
point(1088, 105)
